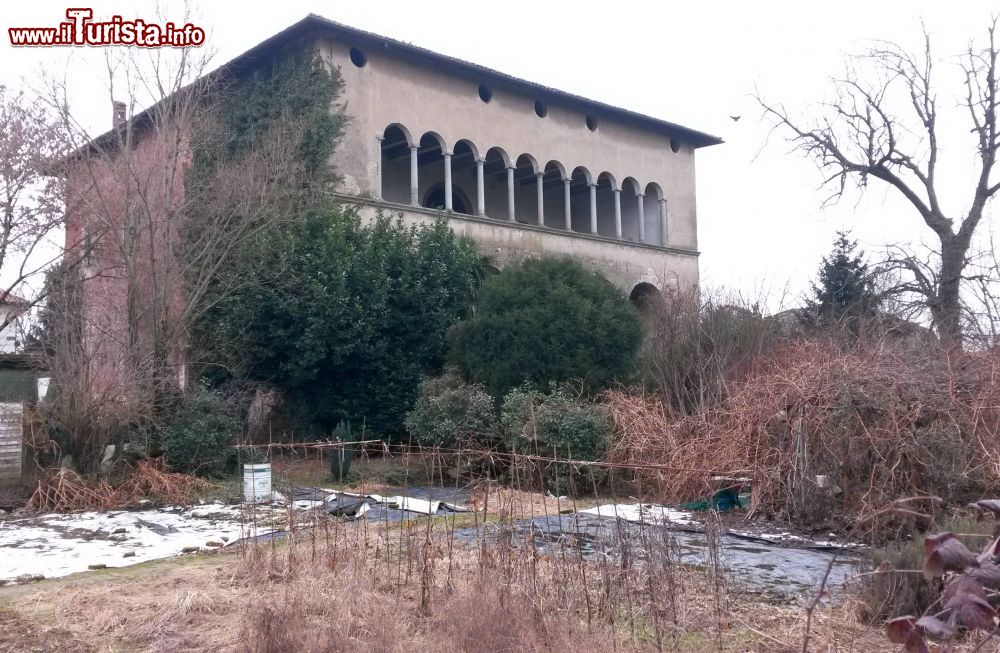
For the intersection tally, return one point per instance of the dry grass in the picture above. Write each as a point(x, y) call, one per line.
point(883, 425)
point(66, 491)
point(412, 587)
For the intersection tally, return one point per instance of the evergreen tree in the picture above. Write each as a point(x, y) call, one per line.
point(844, 292)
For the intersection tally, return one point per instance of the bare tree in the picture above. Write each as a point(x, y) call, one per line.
point(31, 211)
point(883, 124)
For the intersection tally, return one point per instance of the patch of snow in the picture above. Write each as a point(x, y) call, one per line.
point(643, 513)
point(61, 544)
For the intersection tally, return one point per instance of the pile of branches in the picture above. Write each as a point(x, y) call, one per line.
point(830, 436)
point(66, 491)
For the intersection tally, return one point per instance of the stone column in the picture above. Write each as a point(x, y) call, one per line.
point(618, 214)
point(510, 194)
point(642, 216)
point(540, 178)
point(663, 222)
point(378, 167)
point(414, 182)
point(480, 188)
point(447, 181)
point(593, 209)
point(569, 215)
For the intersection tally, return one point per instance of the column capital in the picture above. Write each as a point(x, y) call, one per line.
point(415, 147)
point(594, 185)
point(539, 174)
point(512, 167)
point(567, 180)
point(663, 200)
point(640, 195)
point(379, 137)
point(618, 191)
point(446, 155)
point(481, 160)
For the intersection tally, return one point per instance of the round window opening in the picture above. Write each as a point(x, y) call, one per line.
point(592, 123)
point(540, 109)
point(485, 94)
point(358, 58)
point(675, 145)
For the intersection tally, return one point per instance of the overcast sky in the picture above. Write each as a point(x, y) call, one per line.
point(761, 221)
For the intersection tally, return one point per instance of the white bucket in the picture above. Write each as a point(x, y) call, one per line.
point(257, 482)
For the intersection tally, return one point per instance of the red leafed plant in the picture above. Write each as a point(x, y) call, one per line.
point(970, 591)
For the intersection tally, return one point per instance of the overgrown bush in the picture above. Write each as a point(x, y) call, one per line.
point(557, 424)
point(547, 320)
point(450, 413)
point(879, 424)
point(349, 318)
point(199, 438)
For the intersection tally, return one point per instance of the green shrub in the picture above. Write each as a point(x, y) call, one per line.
point(557, 425)
point(450, 413)
point(547, 320)
point(199, 438)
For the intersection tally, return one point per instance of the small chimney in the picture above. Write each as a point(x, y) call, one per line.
point(117, 113)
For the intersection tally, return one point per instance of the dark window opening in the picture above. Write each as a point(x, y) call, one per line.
point(540, 109)
point(592, 123)
point(485, 94)
point(358, 58)
point(675, 145)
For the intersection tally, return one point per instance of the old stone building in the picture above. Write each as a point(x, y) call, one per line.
point(521, 168)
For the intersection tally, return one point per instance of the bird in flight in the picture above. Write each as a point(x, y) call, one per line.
point(735, 118)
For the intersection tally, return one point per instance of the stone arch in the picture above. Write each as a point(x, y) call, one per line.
point(394, 164)
point(554, 196)
point(646, 297)
point(495, 165)
point(526, 189)
point(630, 209)
point(430, 168)
point(579, 196)
point(606, 186)
point(654, 220)
point(463, 176)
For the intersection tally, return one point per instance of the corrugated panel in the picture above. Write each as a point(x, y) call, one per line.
point(11, 438)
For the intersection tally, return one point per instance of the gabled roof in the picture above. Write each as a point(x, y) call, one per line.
point(316, 23)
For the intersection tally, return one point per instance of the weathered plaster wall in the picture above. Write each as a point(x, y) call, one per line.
point(624, 264)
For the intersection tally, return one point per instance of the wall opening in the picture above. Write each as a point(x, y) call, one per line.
point(395, 164)
point(430, 169)
point(675, 145)
point(526, 190)
point(552, 188)
point(485, 93)
point(540, 109)
point(463, 176)
point(651, 213)
point(606, 205)
point(579, 197)
point(495, 184)
point(591, 122)
point(646, 298)
point(358, 58)
point(630, 210)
